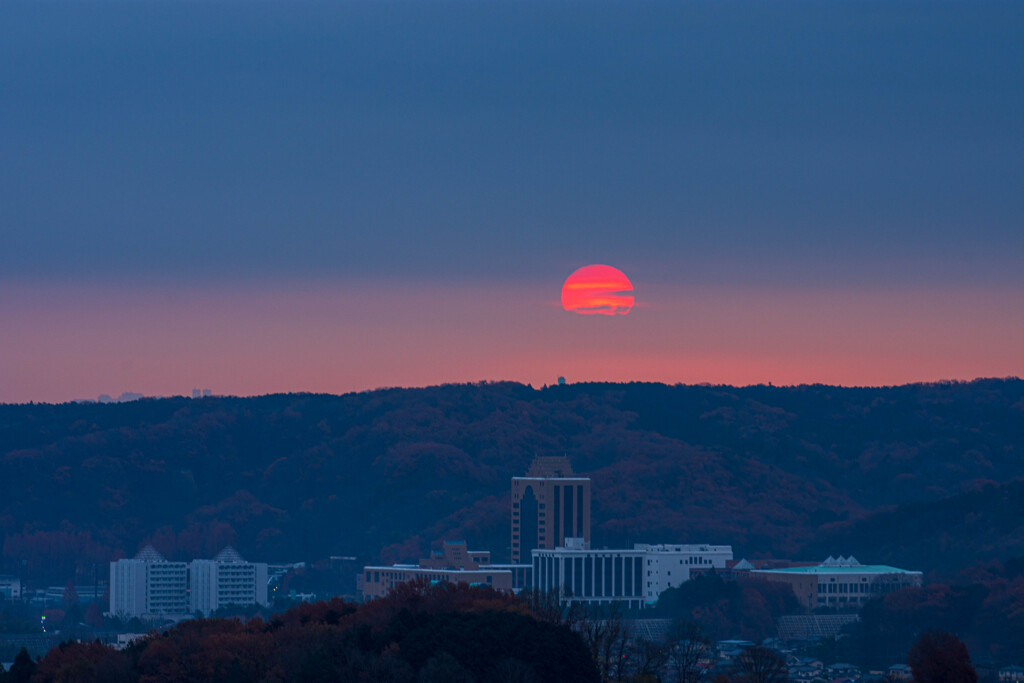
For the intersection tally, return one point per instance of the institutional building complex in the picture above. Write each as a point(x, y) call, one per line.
point(841, 582)
point(550, 529)
point(634, 577)
point(149, 586)
point(452, 564)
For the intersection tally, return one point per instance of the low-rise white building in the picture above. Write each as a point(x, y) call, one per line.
point(10, 587)
point(668, 566)
point(635, 577)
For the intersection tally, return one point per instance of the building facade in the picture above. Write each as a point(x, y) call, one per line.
point(668, 566)
point(549, 505)
point(579, 574)
point(635, 577)
point(10, 587)
point(148, 586)
point(842, 582)
point(225, 580)
point(454, 563)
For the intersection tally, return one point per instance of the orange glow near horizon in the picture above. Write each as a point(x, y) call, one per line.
point(598, 290)
point(67, 342)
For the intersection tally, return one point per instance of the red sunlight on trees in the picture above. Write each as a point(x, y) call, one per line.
point(598, 290)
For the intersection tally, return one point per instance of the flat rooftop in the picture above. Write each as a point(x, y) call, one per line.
point(861, 569)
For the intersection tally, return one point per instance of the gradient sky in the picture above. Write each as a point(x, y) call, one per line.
point(270, 196)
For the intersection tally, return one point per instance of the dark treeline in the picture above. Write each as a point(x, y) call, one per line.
point(419, 634)
point(424, 633)
point(985, 609)
point(748, 610)
point(380, 475)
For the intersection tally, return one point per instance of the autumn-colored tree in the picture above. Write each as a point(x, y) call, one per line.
point(78, 662)
point(93, 616)
point(941, 657)
point(70, 597)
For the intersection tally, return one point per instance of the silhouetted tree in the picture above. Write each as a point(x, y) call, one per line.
point(93, 616)
point(760, 665)
point(689, 649)
point(443, 668)
point(70, 597)
point(22, 669)
point(941, 657)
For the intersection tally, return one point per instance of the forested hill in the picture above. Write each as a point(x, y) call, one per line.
point(381, 474)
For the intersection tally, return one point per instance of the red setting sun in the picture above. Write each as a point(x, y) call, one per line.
point(598, 290)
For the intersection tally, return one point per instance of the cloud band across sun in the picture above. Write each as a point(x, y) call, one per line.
point(598, 290)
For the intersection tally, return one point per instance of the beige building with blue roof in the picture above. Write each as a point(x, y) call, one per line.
point(841, 582)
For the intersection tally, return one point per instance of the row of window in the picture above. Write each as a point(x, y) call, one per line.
point(591, 576)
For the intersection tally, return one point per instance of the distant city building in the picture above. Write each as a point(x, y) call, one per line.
point(225, 580)
point(148, 586)
point(549, 505)
point(579, 574)
point(669, 566)
point(86, 594)
point(634, 577)
point(10, 587)
point(1011, 674)
point(737, 570)
point(454, 563)
point(842, 582)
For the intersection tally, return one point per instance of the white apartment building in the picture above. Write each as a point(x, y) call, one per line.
point(148, 586)
point(225, 580)
point(634, 577)
point(10, 587)
point(668, 566)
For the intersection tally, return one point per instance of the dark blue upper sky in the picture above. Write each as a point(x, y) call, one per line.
point(810, 143)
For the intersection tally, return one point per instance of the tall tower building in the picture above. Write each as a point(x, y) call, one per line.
point(549, 505)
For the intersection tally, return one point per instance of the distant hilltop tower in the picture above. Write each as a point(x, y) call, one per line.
point(561, 381)
point(549, 505)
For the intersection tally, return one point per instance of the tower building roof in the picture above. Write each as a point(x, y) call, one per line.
point(550, 466)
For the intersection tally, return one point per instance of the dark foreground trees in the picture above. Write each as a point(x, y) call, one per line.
point(420, 633)
point(761, 665)
point(940, 657)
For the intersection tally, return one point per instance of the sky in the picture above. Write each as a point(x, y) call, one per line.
point(314, 196)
